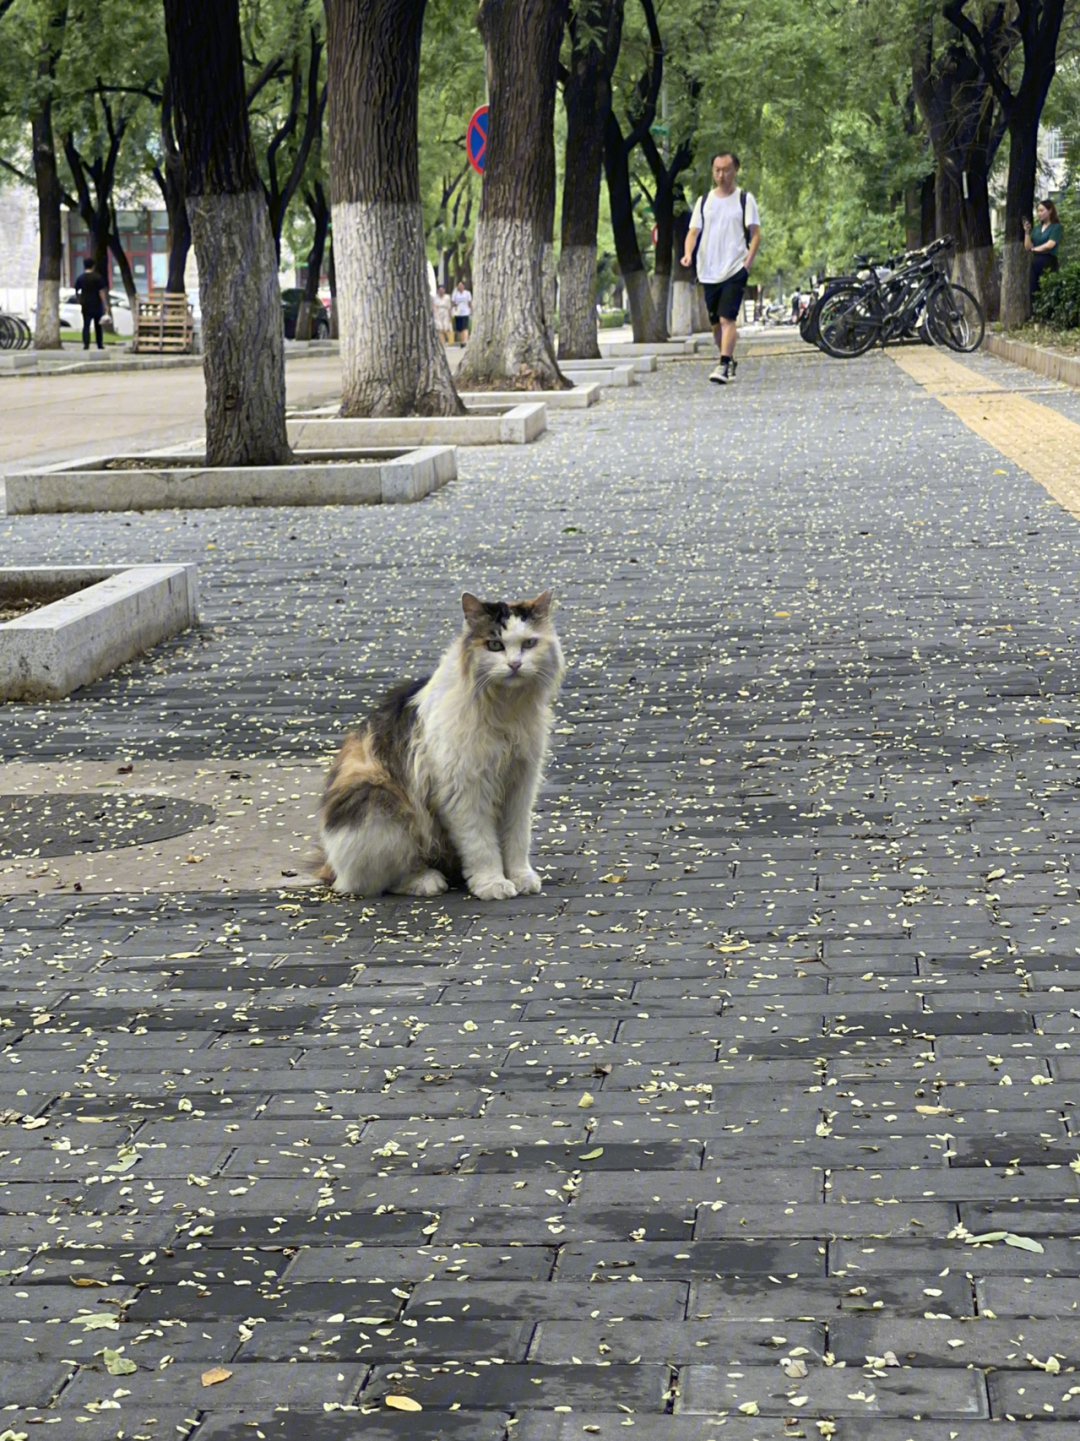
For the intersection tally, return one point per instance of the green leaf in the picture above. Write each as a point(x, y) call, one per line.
point(117, 1365)
point(1023, 1243)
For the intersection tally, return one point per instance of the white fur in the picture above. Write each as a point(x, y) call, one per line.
point(479, 754)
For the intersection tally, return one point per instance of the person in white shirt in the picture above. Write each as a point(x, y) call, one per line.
point(441, 306)
point(725, 233)
point(462, 303)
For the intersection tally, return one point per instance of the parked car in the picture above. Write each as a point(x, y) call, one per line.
point(123, 320)
point(290, 307)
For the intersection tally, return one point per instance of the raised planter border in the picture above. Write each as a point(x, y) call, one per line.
point(661, 349)
point(400, 479)
point(123, 611)
point(1050, 363)
point(579, 398)
point(610, 375)
point(518, 425)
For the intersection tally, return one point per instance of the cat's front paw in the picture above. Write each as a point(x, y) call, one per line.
point(492, 888)
point(528, 882)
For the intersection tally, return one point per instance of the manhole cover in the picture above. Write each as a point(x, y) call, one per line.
point(69, 825)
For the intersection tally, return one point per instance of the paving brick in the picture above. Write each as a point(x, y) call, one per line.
point(833, 1392)
point(253, 1384)
point(468, 1384)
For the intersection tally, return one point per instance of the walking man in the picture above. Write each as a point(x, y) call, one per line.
point(93, 293)
point(724, 235)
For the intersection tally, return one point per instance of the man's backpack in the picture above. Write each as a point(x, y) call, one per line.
point(701, 200)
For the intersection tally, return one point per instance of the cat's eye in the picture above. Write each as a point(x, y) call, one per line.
point(495, 645)
point(528, 644)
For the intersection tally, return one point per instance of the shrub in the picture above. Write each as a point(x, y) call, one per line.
point(1057, 300)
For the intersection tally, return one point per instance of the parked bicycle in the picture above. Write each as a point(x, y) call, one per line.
point(914, 300)
point(15, 334)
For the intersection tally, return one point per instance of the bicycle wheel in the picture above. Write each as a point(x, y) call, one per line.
point(26, 335)
point(847, 323)
point(7, 333)
point(954, 318)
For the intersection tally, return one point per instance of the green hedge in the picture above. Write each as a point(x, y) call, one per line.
point(611, 320)
point(1057, 300)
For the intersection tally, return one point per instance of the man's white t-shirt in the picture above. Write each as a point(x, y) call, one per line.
point(723, 245)
point(462, 300)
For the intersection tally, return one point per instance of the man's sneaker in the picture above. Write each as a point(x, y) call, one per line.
point(722, 374)
point(732, 368)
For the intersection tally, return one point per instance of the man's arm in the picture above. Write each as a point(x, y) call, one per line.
point(688, 248)
point(755, 242)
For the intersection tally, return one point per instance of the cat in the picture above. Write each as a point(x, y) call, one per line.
point(438, 784)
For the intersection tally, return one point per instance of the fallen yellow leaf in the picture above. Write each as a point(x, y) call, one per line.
point(403, 1403)
point(215, 1375)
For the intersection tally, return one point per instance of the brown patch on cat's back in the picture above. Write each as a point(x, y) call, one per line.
point(358, 782)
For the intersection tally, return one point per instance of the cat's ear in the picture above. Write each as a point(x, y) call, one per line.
point(474, 610)
point(541, 606)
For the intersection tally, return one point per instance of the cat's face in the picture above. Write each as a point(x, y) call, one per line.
point(510, 643)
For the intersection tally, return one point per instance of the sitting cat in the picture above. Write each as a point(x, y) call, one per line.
point(440, 780)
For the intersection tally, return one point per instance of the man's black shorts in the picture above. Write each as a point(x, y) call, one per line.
point(461, 322)
point(724, 299)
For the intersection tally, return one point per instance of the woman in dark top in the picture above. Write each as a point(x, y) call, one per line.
point(1043, 241)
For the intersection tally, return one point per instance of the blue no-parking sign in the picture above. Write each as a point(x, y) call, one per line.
point(476, 138)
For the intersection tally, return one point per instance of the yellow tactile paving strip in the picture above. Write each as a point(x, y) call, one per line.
point(1034, 437)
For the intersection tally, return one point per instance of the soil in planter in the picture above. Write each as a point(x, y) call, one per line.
point(198, 462)
point(14, 606)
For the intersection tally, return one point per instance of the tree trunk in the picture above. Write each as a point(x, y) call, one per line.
point(170, 178)
point(595, 34)
point(682, 287)
point(965, 128)
point(316, 202)
point(243, 335)
point(47, 319)
point(1019, 204)
point(331, 278)
point(647, 322)
point(509, 347)
point(391, 358)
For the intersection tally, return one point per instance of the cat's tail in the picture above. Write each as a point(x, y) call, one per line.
point(316, 863)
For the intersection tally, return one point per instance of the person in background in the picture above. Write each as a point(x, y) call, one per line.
point(1044, 241)
point(726, 223)
point(441, 305)
point(93, 293)
point(462, 303)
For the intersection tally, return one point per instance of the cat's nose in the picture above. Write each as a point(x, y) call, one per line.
point(515, 665)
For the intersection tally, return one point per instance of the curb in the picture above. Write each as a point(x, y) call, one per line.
point(1050, 363)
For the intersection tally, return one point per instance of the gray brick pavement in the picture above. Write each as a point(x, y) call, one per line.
point(708, 1125)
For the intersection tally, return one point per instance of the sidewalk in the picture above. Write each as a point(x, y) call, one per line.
point(759, 1122)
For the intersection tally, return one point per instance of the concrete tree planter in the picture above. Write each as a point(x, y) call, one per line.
point(182, 482)
point(491, 420)
point(85, 622)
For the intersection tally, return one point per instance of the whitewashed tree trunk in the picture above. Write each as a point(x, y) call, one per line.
point(242, 332)
point(682, 308)
point(243, 337)
point(47, 319)
point(577, 303)
point(1015, 284)
point(392, 360)
point(510, 347)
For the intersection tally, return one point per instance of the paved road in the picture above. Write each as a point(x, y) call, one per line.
point(51, 418)
point(698, 1142)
